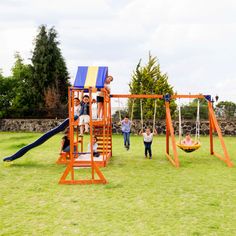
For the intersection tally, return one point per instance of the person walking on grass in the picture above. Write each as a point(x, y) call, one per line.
point(126, 129)
point(147, 140)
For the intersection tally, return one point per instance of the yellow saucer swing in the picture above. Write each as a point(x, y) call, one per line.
point(188, 148)
point(196, 145)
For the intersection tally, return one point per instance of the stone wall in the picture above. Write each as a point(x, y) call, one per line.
point(28, 125)
point(227, 127)
point(43, 125)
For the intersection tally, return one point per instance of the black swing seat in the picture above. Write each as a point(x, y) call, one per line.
point(188, 148)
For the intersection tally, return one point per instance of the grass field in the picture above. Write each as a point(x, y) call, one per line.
point(143, 197)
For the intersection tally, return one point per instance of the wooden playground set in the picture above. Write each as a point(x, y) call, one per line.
point(90, 80)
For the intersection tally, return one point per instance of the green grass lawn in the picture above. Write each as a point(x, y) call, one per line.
point(143, 197)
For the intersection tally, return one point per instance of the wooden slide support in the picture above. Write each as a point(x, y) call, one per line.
point(73, 165)
point(70, 170)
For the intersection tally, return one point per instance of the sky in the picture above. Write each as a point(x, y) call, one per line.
point(194, 41)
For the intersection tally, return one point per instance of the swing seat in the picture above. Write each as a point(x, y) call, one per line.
point(187, 148)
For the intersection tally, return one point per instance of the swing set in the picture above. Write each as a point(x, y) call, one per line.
point(91, 80)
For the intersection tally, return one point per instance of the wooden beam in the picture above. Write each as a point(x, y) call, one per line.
point(136, 96)
point(160, 96)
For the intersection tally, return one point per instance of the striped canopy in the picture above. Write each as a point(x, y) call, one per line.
point(91, 76)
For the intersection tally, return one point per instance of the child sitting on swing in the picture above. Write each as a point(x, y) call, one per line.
point(147, 140)
point(188, 140)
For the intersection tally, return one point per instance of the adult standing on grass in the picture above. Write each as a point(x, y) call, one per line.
point(126, 128)
point(100, 97)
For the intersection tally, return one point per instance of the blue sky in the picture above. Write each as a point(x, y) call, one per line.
point(193, 40)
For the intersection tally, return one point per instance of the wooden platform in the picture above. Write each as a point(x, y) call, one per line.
point(85, 160)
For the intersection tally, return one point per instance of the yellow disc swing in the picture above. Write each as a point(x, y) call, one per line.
point(196, 145)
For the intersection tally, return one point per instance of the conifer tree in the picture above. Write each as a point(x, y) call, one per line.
point(149, 79)
point(50, 74)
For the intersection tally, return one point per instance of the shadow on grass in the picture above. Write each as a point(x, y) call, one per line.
point(23, 137)
point(112, 186)
point(29, 165)
point(18, 146)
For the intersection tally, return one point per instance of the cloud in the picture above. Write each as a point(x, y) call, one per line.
point(193, 40)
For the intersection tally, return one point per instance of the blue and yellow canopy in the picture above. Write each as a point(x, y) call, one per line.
point(91, 76)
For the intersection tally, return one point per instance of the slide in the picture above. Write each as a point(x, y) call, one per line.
point(39, 141)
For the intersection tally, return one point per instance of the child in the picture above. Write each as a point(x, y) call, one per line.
point(147, 140)
point(188, 140)
point(77, 106)
point(95, 147)
point(84, 115)
point(100, 97)
point(126, 127)
point(65, 146)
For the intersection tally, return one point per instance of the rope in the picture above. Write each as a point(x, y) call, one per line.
point(132, 111)
point(197, 135)
point(141, 110)
point(119, 109)
point(154, 116)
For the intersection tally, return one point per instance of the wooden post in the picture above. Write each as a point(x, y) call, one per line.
point(167, 137)
point(71, 130)
point(91, 131)
point(226, 157)
point(210, 130)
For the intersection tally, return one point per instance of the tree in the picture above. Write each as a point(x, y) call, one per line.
point(149, 79)
point(189, 111)
point(50, 75)
point(228, 108)
point(22, 76)
point(7, 85)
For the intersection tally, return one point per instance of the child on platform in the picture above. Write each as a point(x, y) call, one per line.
point(65, 145)
point(77, 106)
point(100, 97)
point(84, 115)
point(95, 147)
point(126, 128)
point(147, 140)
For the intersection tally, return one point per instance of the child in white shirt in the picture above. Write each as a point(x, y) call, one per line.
point(100, 97)
point(147, 140)
point(95, 147)
point(77, 106)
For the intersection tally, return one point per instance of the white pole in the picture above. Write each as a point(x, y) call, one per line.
point(197, 135)
point(141, 110)
point(119, 109)
point(154, 117)
point(180, 124)
point(132, 111)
